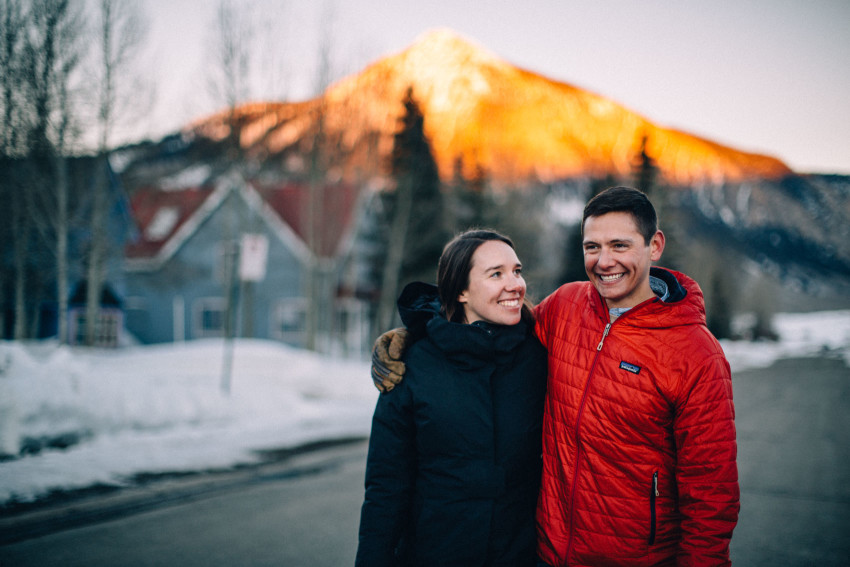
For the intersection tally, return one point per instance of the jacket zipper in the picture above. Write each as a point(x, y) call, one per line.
point(601, 341)
point(578, 436)
point(653, 494)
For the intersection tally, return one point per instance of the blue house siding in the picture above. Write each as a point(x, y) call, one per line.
point(176, 285)
point(194, 278)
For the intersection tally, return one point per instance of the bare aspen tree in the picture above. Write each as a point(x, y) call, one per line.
point(119, 34)
point(11, 40)
point(274, 35)
point(52, 199)
point(38, 58)
point(229, 73)
point(319, 300)
point(66, 133)
point(61, 223)
point(229, 84)
point(41, 57)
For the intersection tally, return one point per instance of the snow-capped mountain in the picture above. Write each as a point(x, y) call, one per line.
point(515, 124)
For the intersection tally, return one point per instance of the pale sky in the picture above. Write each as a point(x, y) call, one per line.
point(768, 76)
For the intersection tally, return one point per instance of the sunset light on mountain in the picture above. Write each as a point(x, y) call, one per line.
point(515, 124)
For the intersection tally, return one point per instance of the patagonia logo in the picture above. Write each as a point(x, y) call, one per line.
point(630, 367)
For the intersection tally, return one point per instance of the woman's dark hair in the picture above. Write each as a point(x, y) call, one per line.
point(454, 267)
point(627, 200)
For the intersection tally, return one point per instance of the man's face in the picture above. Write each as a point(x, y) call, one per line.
point(617, 260)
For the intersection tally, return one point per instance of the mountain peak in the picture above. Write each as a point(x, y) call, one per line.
point(443, 44)
point(516, 125)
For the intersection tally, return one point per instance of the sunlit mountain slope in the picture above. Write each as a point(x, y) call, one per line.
point(516, 124)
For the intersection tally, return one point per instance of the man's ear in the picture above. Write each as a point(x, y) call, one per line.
point(656, 245)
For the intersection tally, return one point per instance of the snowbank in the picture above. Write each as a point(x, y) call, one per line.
point(800, 335)
point(163, 409)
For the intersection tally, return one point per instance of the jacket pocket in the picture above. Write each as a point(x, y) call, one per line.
point(653, 494)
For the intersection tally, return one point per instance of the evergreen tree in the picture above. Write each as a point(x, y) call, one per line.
point(645, 169)
point(720, 309)
point(573, 264)
point(520, 213)
point(670, 221)
point(415, 211)
point(414, 169)
point(476, 201)
point(469, 203)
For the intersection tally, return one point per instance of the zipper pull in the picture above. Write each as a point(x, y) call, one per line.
point(655, 482)
point(605, 334)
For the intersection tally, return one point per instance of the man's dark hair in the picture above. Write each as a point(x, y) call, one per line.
point(626, 200)
point(455, 265)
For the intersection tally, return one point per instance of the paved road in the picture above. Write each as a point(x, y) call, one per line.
point(793, 424)
point(303, 512)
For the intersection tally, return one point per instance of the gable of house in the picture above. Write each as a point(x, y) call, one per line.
point(159, 215)
point(177, 267)
point(334, 208)
point(166, 218)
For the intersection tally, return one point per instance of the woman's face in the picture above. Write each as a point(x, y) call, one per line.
point(496, 287)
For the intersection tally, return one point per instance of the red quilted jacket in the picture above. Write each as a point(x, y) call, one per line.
point(639, 450)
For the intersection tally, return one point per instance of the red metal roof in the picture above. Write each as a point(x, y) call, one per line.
point(335, 208)
point(290, 201)
point(147, 202)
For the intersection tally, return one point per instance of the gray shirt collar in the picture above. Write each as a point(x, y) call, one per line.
point(659, 288)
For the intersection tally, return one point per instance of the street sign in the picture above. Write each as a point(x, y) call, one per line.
point(253, 255)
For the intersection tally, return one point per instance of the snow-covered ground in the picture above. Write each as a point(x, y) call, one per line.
point(163, 408)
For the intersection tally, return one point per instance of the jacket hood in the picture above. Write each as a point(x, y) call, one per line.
point(675, 290)
point(418, 303)
point(684, 304)
point(420, 311)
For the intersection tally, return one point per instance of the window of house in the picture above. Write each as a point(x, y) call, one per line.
point(289, 320)
point(209, 315)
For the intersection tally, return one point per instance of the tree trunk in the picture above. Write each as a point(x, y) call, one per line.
point(20, 293)
point(395, 256)
point(62, 249)
point(97, 252)
point(19, 234)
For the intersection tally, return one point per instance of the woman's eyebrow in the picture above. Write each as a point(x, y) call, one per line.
point(502, 267)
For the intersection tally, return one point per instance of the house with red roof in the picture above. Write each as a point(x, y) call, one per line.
point(242, 258)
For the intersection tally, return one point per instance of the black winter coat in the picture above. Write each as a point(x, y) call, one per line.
point(454, 459)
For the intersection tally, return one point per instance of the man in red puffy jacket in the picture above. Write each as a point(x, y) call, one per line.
point(639, 450)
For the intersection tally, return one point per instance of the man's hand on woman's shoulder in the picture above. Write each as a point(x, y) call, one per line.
point(387, 367)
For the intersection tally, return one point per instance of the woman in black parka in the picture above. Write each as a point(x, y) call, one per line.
point(454, 457)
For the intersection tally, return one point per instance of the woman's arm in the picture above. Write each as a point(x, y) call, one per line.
point(390, 479)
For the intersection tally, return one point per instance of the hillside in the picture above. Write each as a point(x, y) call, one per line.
point(518, 125)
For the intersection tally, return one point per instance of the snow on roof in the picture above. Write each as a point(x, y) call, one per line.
point(166, 218)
